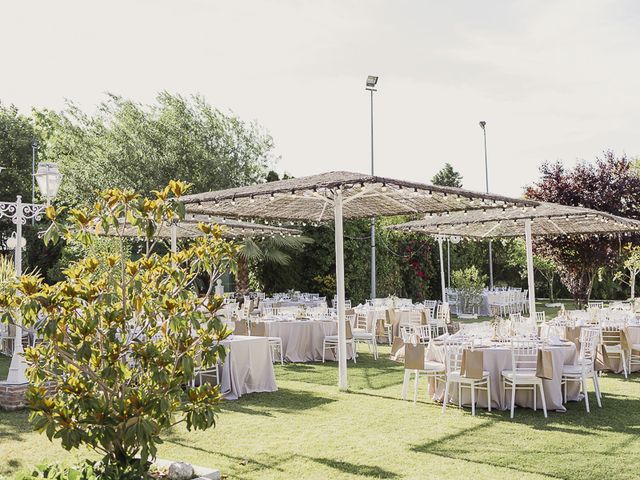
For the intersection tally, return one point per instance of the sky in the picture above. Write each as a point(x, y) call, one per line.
point(554, 80)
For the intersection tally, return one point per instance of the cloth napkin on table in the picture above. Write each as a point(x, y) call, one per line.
point(397, 351)
point(624, 342)
point(572, 334)
point(472, 363)
point(544, 365)
point(414, 356)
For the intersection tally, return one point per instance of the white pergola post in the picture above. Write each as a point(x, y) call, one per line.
point(343, 383)
point(530, 277)
point(439, 238)
point(174, 237)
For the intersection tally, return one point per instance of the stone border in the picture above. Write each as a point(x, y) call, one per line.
point(13, 396)
point(203, 473)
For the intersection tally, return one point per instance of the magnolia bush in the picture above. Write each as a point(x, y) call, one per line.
point(122, 337)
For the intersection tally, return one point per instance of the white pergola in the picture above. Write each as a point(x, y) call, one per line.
point(333, 197)
point(545, 220)
point(188, 228)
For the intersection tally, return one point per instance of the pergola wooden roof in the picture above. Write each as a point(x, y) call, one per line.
point(188, 228)
point(547, 219)
point(310, 198)
point(334, 196)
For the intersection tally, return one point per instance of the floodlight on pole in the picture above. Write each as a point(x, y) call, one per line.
point(372, 81)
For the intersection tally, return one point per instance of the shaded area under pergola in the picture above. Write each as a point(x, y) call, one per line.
point(336, 196)
point(545, 220)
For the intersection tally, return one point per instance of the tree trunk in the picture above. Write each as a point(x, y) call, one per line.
point(551, 295)
point(633, 284)
point(242, 276)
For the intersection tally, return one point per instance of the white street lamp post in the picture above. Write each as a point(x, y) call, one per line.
point(49, 179)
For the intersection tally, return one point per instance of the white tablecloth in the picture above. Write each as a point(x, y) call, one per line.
point(497, 359)
point(398, 316)
point(302, 339)
point(291, 304)
point(570, 333)
point(248, 367)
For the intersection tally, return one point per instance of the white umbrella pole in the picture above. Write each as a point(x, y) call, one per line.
point(441, 267)
point(530, 277)
point(343, 383)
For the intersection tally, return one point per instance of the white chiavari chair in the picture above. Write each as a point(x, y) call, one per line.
point(522, 326)
point(454, 350)
point(584, 369)
point(611, 343)
point(422, 333)
point(443, 317)
point(522, 376)
point(365, 332)
point(331, 342)
point(415, 363)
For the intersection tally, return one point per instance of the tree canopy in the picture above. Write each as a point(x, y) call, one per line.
point(126, 144)
point(610, 184)
point(447, 177)
point(16, 134)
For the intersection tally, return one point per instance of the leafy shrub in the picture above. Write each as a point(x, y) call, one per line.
point(469, 283)
point(122, 337)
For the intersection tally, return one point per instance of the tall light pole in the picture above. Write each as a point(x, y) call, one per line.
point(371, 83)
point(483, 126)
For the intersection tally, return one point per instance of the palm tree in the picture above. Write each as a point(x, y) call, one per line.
point(275, 250)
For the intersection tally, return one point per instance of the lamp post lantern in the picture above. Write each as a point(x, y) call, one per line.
point(372, 80)
point(49, 179)
point(483, 126)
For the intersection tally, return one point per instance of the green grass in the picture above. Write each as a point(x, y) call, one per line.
point(307, 429)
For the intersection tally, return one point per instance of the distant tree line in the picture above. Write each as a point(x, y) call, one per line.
point(126, 144)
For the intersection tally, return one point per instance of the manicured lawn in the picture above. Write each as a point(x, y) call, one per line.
point(309, 430)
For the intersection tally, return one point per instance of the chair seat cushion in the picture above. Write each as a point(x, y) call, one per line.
point(613, 348)
point(458, 377)
point(573, 370)
point(635, 346)
point(362, 335)
point(431, 365)
point(522, 375)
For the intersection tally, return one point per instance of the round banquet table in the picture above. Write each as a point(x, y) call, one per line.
point(290, 304)
point(573, 333)
point(498, 358)
point(397, 315)
point(302, 339)
point(247, 368)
